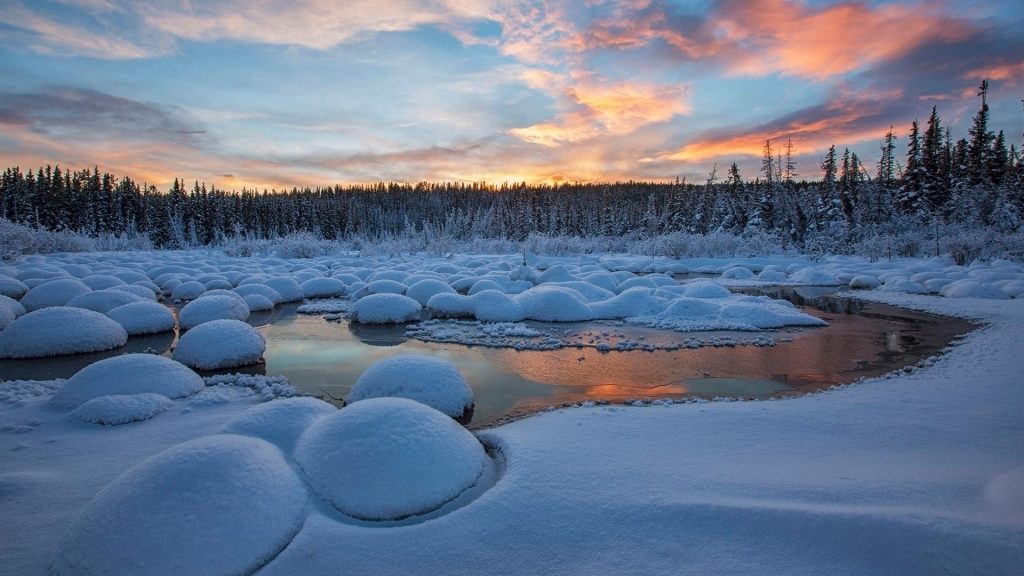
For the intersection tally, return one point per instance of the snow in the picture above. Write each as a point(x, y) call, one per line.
point(258, 303)
point(103, 300)
point(288, 288)
point(323, 288)
point(554, 304)
point(145, 522)
point(386, 287)
point(53, 293)
point(220, 344)
point(208, 308)
point(280, 422)
point(102, 281)
point(12, 287)
point(385, 309)
point(118, 409)
point(972, 289)
point(389, 458)
point(864, 282)
point(813, 277)
point(261, 289)
point(425, 379)
point(422, 290)
point(60, 330)
point(128, 374)
point(143, 318)
point(189, 290)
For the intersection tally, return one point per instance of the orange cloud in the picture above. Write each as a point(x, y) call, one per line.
point(1006, 71)
point(607, 110)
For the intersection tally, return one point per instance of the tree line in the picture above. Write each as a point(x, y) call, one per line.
point(975, 181)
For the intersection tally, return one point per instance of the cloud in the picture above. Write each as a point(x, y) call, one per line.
point(605, 109)
point(48, 35)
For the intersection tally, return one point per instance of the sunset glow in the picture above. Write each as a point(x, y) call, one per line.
point(276, 94)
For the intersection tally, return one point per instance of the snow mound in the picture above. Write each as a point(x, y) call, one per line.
point(220, 344)
point(13, 305)
point(772, 276)
point(738, 273)
point(287, 287)
point(323, 288)
point(144, 317)
point(128, 374)
point(389, 458)
point(634, 301)
point(496, 306)
point(422, 290)
point(12, 287)
point(137, 289)
point(705, 289)
point(385, 309)
point(118, 409)
point(209, 308)
point(280, 422)
point(864, 282)
point(258, 303)
point(104, 301)
point(973, 289)
point(261, 289)
point(386, 287)
point(102, 281)
point(218, 505)
point(60, 330)
point(189, 290)
point(554, 304)
point(425, 379)
point(903, 285)
point(53, 293)
point(814, 277)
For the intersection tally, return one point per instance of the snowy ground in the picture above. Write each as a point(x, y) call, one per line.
point(916, 474)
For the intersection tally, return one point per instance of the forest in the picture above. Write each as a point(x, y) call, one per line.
point(935, 187)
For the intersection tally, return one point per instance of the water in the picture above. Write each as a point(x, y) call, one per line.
point(325, 358)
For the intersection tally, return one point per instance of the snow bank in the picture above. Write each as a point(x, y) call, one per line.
point(60, 330)
point(280, 422)
point(389, 458)
point(208, 308)
point(128, 374)
point(425, 379)
point(972, 289)
point(144, 317)
point(219, 505)
point(385, 309)
point(118, 409)
point(53, 293)
point(220, 344)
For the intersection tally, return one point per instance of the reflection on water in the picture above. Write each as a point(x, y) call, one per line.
point(325, 358)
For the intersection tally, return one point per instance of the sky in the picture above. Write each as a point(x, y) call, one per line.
point(281, 93)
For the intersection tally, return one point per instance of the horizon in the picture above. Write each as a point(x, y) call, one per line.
point(468, 92)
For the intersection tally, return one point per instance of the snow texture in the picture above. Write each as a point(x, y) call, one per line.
point(389, 458)
point(53, 293)
point(128, 374)
point(118, 409)
point(220, 344)
point(208, 308)
point(323, 288)
point(143, 318)
point(147, 522)
point(425, 379)
point(104, 300)
point(280, 422)
point(385, 309)
point(58, 330)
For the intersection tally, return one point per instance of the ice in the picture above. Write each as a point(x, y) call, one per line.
point(220, 344)
point(389, 458)
point(53, 293)
point(425, 379)
point(128, 374)
point(220, 505)
point(279, 422)
point(118, 409)
point(216, 307)
point(57, 330)
point(143, 318)
point(385, 309)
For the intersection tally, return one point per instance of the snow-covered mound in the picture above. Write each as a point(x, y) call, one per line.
point(705, 289)
point(422, 290)
point(486, 306)
point(386, 287)
point(118, 409)
point(261, 289)
point(218, 505)
point(128, 374)
point(102, 282)
point(389, 458)
point(425, 379)
point(220, 344)
point(104, 300)
point(189, 290)
point(60, 330)
point(323, 288)
point(385, 309)
point(144, 317)
point(554, 304)
point(258, 303)
point(216, 307)
point(289, 289)
point(972, 289)
point(814, 277)
point(53, 293)
point(280, 422)
point(12, 287)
